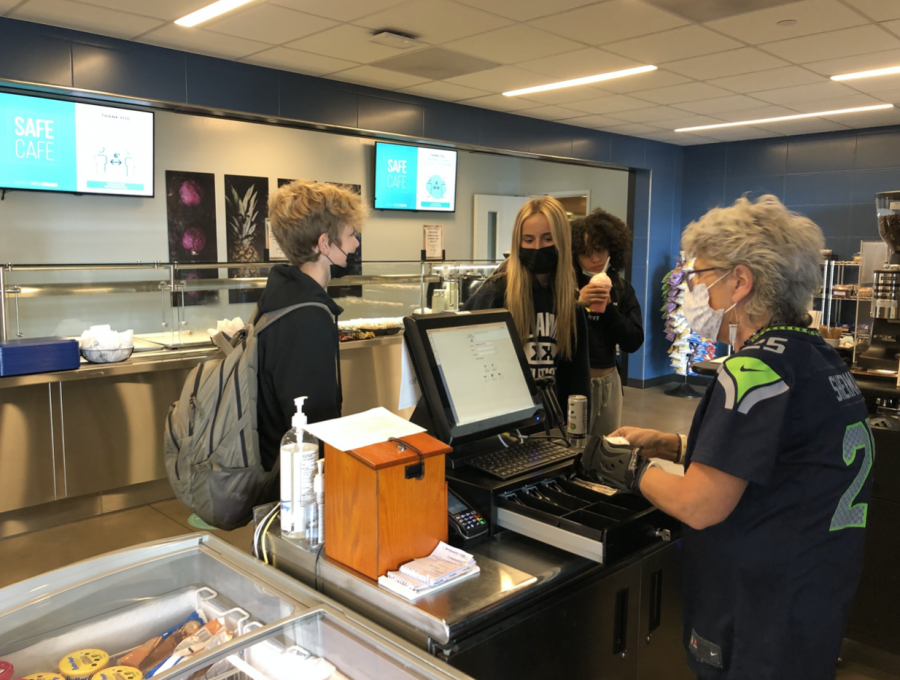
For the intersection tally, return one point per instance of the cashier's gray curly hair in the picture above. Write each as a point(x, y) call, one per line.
point(781, 248)
point(300, 212)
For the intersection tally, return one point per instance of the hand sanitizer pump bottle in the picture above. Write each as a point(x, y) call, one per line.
point(299, 453)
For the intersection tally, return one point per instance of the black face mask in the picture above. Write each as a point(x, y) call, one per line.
point(540, 260)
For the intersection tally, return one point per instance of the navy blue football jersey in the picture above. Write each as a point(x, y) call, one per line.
point(766, 591)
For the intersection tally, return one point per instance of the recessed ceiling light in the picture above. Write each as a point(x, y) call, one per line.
point(785, 23)
point(581, 81)
point(868, 74)
point(761, 121)
point(209, 12)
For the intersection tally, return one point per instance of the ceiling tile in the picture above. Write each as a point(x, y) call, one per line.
point(737, 134)
point(879, 10)
point(833, 45)
point(686, 121)
point(434, 21)
point(869, 119)
point(299, 62)
point(340, 10)
point(647, 115)
point(608, 21)
point(269, 24)
point(678, 138)
point(788, 76)
point(513, 44)
point(851, 102)
point(756, 114)
point(498, 102)
point(345, 42)
point(715, 106)
point(445, 91)
point(595, 122)
point(372, 76)
point(890, 96)
point(805, 126)
point(644, 81)
point(161, 9)
point(202, 42)
point(632, 129)
point(892, 26)
point(616, 102)
point(579, 64)
point(524, 10)
point(683, 93)
point(679, 43)
point(552, 113)
point(861, 62)
point(731, 63)
point(805, 93)
point(501, 79)
point(6, 5)
point(435, 63)
point(84, 18)
point(812, 16)
point(566, 95)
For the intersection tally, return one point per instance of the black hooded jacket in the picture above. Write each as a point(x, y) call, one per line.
point(620, 324)
point(299, 356)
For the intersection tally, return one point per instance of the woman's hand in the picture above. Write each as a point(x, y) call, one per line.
point(653, 443)
point(592, 294)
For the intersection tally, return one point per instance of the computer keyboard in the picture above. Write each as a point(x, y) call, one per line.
point(520, 458)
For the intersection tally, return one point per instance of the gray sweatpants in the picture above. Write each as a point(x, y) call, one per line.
point(606, 397)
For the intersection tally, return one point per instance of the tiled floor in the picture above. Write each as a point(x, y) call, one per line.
point(31, 554)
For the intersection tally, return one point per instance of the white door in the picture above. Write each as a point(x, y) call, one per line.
point(494, 218)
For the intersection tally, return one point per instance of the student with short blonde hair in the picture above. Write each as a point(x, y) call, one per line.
point(316, 226)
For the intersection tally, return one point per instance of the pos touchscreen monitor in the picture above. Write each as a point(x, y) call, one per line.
point(473, 374)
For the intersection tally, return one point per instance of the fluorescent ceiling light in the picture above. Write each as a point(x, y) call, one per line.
point(781, 118)
point(581, 81)
point(869, 74)
point(209, 12)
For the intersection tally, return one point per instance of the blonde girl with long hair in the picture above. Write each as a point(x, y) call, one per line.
point(537, 285)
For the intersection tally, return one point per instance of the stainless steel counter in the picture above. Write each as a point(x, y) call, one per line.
point(75, 444)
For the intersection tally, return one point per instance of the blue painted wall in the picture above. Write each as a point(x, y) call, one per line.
point(830, 177)
point(48, 55)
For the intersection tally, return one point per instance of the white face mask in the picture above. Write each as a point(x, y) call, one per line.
point(590, 274)
point(703, 319)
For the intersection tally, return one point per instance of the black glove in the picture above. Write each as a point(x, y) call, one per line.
point(616, 464)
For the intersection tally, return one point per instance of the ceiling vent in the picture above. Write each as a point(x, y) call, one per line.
point(399, 41)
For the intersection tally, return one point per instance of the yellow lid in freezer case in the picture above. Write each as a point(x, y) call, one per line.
point(119, 673)
point(44, 676)
point(83, 664)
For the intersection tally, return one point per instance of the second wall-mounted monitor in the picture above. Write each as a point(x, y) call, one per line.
point(414, 178)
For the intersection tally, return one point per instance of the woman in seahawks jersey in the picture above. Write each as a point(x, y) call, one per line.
point(776, 486)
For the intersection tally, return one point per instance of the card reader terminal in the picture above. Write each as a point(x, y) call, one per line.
point(464, 520)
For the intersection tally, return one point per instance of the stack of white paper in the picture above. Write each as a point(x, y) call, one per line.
point(443, 567)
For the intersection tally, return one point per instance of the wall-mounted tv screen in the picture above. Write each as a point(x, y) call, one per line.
point(414, 178)
point(53, 145)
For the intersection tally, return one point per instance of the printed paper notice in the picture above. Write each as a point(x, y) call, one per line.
point(434, 242)
point(363, 429)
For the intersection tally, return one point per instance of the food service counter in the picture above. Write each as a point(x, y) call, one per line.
point(95, 433)
point(534, 611)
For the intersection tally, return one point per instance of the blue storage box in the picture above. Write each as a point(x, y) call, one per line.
point(38, 355)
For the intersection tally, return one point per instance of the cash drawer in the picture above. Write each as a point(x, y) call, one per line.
point(565, 513)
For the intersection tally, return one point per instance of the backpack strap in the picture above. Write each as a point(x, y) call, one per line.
point(266, 320)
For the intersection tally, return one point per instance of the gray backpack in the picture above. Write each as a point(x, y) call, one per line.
point(211, 443)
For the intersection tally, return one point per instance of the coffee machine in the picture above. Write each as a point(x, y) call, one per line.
point(884, 345)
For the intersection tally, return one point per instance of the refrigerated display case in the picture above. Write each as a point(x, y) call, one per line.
point(116, 603)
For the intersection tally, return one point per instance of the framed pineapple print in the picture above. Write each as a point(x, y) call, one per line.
point(246, 210)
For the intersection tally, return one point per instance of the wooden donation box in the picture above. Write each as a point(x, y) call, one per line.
point(385, 504)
